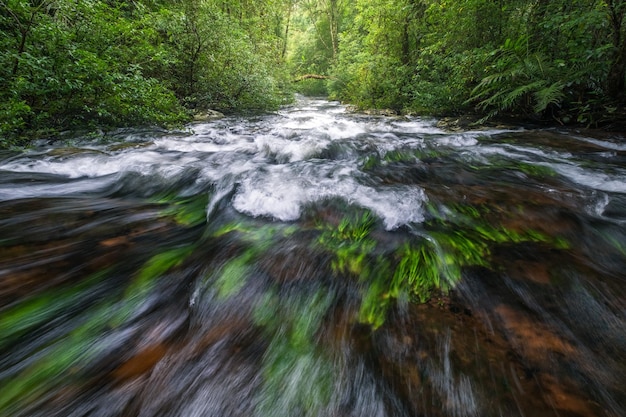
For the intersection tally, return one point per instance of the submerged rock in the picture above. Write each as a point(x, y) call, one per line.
point(73, 151)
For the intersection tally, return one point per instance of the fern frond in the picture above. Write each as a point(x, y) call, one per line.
point(492, 100)
point(516, 94)
point(521, 81)
point(552, 94)
point(540, 63)
point(491, 79)
point(487, 117)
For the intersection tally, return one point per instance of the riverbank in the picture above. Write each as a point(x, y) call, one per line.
point(612, 125)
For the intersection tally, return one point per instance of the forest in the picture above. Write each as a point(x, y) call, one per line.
point(87, 64)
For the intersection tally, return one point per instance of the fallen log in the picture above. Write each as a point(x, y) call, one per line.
point(311, 76)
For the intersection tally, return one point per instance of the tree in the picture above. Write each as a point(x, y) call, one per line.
point(617, 73)
point(66, 64)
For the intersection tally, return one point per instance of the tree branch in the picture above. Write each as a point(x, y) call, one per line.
point(311, 76)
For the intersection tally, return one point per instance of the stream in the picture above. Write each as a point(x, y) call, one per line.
point(314, 262)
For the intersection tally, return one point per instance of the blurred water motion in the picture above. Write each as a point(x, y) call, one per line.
point(314, 263)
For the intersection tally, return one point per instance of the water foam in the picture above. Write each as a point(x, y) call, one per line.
point(282, 191)
point(596, 180)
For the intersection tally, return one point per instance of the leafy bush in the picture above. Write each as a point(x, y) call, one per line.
point(66, 64)
point(520, 81)
point(13, 116)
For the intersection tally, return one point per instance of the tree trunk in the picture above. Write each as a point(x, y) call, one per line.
point(20, 51)
point(333, 22)
point(287, 24)
point(616, 80)
point(406, 43)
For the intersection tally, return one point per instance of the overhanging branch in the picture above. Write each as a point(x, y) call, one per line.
point(311, 76)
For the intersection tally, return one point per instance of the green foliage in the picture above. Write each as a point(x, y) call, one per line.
point(522, 81)
point(420, 269)
point(463, 233)
point(431, 262)
point(77, 64)
point(350, 242)
point(547, 59)
point(216, 62)
point(416, 271)
point(370, 70)
point(32, 312)
point(187, 211)
point(13, 117)
point(539, 171)
point(547, 68)
point(250, 233)
point(310, 45)
point(412, 271)
point(231, 277)
point(66, 64)
point(297, 375)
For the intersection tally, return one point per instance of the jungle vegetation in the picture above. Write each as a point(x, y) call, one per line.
point(68, 64)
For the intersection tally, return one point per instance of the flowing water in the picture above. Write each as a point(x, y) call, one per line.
point(314, 263)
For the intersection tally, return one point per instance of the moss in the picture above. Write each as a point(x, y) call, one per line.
point(186, 211)
point(233, 275)
point(538, 171)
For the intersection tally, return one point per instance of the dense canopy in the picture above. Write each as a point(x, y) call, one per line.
point(87, 63)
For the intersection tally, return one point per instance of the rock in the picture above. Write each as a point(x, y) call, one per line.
point(372, 112)
point(129, 145)
point(207, 115)
point(73, 151)
point(455, 124)
point(381, 112)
